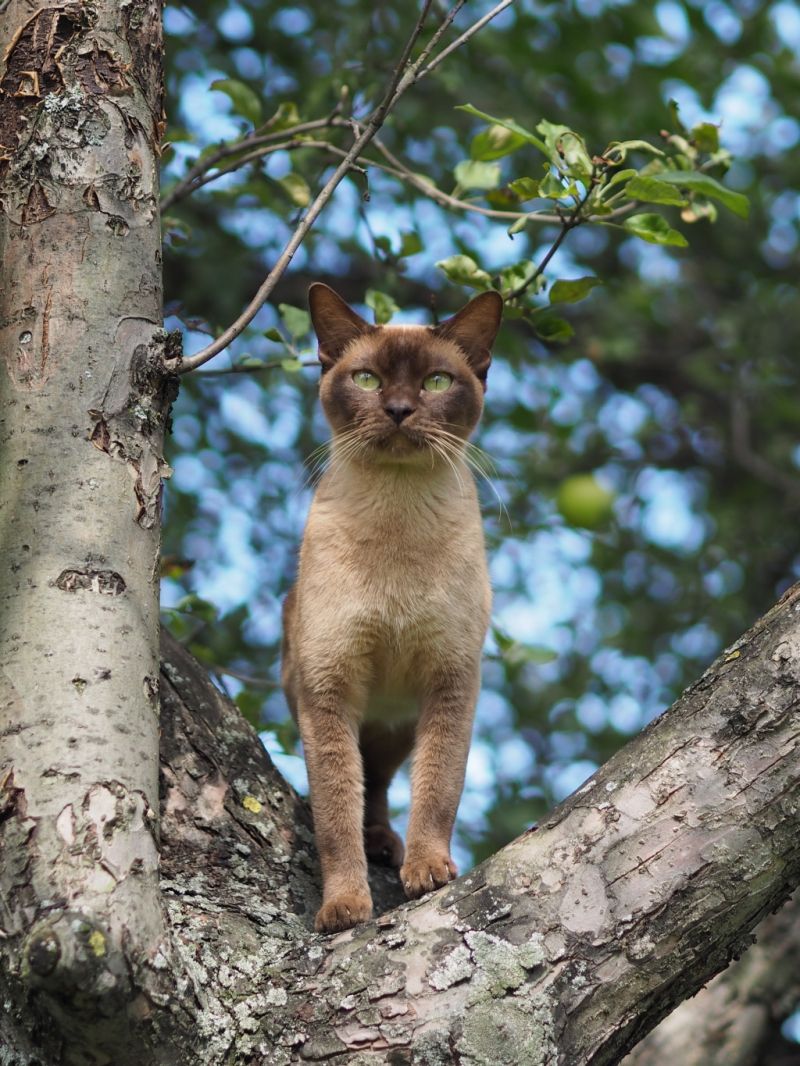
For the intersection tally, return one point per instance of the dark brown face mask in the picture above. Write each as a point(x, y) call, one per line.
point(407, 382)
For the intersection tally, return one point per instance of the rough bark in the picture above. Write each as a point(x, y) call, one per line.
point(734, 1020)
point(82, 410)
point(566, 947)
point(563, 948)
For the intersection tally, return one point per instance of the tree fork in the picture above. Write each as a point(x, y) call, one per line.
point(84, 402)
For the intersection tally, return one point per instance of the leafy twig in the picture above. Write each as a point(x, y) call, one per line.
point(404, 76)
point(569, 223)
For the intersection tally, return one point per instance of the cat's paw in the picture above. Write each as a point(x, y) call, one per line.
point(425, 872)
point(343, 912)
point(383, 845)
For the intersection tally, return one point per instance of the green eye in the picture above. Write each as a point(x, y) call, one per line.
point(438, 382)
point(366, 380)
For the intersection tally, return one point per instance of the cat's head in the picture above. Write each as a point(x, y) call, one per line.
point(398, 390)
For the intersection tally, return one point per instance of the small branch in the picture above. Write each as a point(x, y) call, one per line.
point(189, 183)
point(567, 224)
point(185, 189)
point(252, 369)
point(403, 77)
point(760, 468)
point(246, 679)
point(473, 29)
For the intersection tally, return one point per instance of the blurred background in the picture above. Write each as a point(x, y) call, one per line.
point(644, 502)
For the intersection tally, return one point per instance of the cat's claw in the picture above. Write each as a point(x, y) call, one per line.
point(343, 912)
point(427, 873)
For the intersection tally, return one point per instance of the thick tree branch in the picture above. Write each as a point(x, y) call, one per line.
point(731, 1022)
point(565, 947)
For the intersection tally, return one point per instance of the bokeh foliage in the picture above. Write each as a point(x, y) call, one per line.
point(645, 441)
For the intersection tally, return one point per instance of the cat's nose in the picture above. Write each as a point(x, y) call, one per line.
point(398, 410)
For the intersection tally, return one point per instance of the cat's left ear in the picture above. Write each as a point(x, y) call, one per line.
point(474, 329)
point(335, 323)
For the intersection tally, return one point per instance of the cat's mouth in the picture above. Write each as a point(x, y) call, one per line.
point(401, 441)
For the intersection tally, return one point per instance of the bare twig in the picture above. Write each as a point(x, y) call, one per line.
point(254, 369)
point(403, 77)
point(465, 36)
point(190, 182)
point(757, 465)
point(184, 189)
point(246, 679)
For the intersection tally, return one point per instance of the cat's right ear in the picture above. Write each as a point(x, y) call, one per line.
point(335, 323)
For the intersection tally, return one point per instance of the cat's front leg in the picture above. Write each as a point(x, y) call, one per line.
point(437, 779)
point(335, 776)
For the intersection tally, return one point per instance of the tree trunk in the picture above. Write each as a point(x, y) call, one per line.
point(84, 401)
point(565, 947)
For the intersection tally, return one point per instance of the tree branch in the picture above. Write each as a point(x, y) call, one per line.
point(566, 946)
point(730, 1022)
point(742, 450)
point(404, 76)
point(191, 181)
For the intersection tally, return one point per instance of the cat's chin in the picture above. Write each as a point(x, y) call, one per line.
point(401, 447)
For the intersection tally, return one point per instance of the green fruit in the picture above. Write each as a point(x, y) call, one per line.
point(584, 502)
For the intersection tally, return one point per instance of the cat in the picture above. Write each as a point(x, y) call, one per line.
point(384, 627)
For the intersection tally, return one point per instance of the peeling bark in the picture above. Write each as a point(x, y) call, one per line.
point(733, 1022)
point(80, 310)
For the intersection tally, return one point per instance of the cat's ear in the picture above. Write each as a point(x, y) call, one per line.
point(474, 329)
point(335, 323)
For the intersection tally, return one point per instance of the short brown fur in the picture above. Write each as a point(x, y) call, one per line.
point(384, 627)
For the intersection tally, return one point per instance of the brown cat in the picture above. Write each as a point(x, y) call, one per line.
point(384, 627)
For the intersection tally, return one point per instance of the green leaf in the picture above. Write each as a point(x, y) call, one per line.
point(551, 187)
point(519, 225)
point(621, 175)
point(706, 137)
point(197, 606)
point(274, 334)
point(569, 292)
point(465, 271)
point(250, 704)
point(552, 328)
point(513, 277)
point(286, 116)
point(621, 149)
point(291, 366)
point(296, 320)
point(674, 114)
point(519, 654)
point(524, 188)
point(244, 100)
point(296, 188)
point(706, 186)
point(516, 653)
point(507, 124)
point(653, 191)
point(410, 244)
point(655, 229)
point(494, 143)
point(382, 304)
point(471, 174)
point(567, 149)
